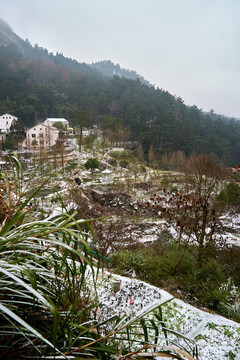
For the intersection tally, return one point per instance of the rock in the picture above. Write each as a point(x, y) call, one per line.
point(77, 181)
point(116, 286)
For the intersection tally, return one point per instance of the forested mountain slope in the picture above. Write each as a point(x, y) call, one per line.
point(36, 84)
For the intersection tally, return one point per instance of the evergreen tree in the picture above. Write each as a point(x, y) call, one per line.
point(81, 120)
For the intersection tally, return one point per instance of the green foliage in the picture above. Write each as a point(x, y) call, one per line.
point(81, 119)
point(48, 298)
point(89, 140)
point(59, 125)
point(112, 162)
point(122, 155)
point(12, 141)
point(41, 273)
point(230, 195)
point(233, 192)
point(211, 271)
point(165, 182)
point(126, 110)
point(123, 163)
point(230, 355)
point(152, 266)
point(125, 260)
point(91, 163)
point(107, 122)
point(17, 126)
point(222, 197)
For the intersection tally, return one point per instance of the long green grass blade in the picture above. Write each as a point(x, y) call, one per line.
point(26, 326)
point(32, 291)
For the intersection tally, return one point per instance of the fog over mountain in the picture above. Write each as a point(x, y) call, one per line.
point(36, 84)
point(189, 47)
point(108, 68)
point(8, 37)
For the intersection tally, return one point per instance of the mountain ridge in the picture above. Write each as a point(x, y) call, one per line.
point(36, 84)
point(105, 68)
point(8, 36)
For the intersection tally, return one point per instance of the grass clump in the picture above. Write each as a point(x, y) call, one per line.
point(48, 283)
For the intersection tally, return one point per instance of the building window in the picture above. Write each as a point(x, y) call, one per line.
point(33, 135)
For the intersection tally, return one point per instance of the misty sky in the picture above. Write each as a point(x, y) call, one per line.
point(189, 47)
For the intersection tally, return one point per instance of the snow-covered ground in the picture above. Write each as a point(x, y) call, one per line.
point(217, 338)
point(232, 221)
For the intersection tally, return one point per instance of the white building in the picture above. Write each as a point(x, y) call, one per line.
point(51, 121)
point(5, 122)
point(107, 175)
point(41, 136)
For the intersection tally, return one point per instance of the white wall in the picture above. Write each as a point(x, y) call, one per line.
point(6, 121)
point(45, 136)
